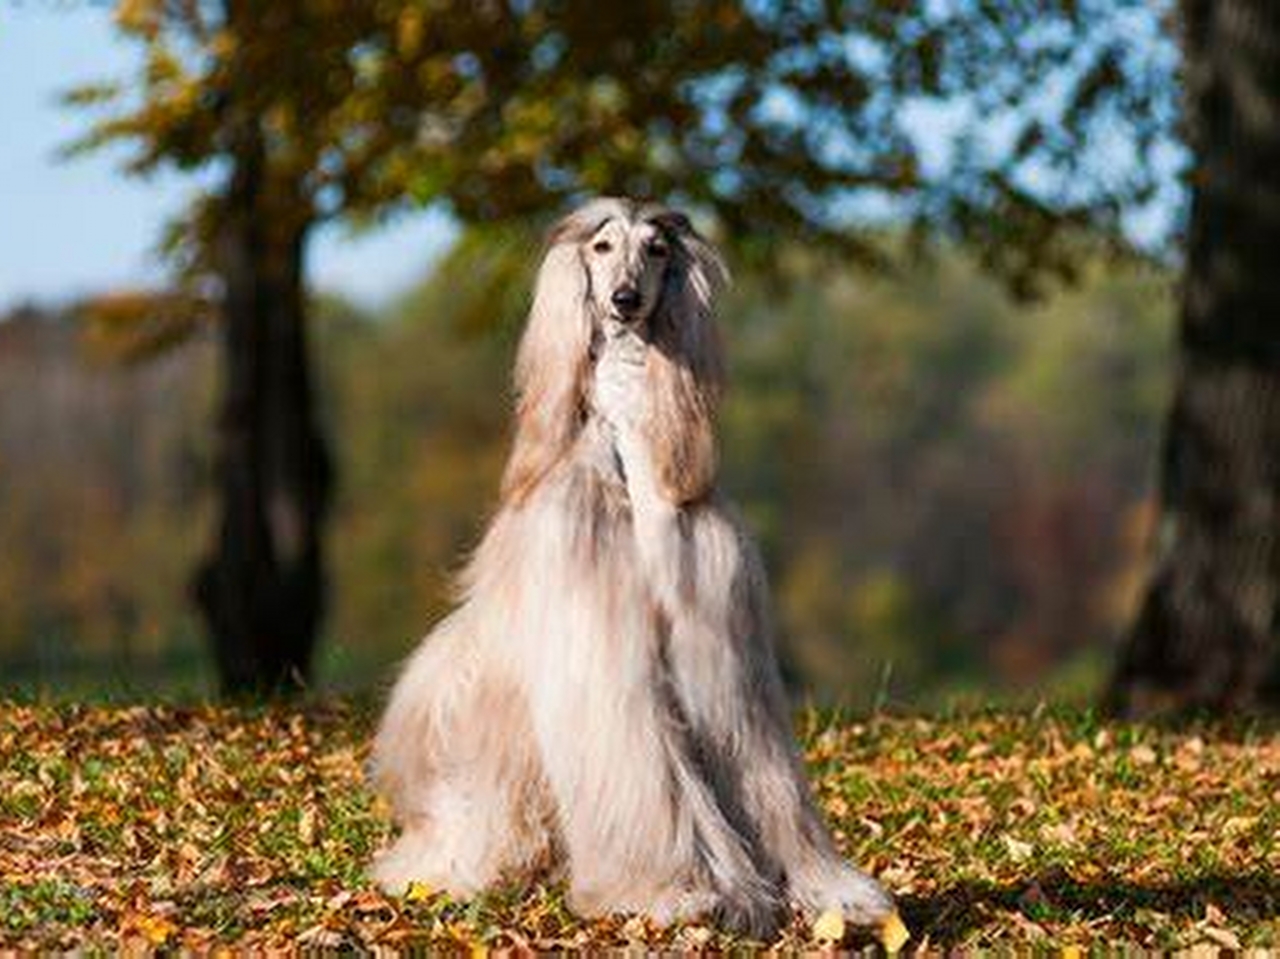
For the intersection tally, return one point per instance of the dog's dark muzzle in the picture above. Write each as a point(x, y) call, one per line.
point(627, 301)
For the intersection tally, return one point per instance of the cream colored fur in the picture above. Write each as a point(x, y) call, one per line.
point(604, 704)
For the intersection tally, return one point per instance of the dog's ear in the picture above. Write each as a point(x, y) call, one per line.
point(552, 366)
point(686, 369)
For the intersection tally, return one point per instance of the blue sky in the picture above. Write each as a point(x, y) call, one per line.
point(69, 227)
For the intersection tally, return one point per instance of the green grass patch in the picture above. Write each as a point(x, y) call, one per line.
point(193, 827)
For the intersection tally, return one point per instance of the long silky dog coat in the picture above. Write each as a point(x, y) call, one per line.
point(604, 704)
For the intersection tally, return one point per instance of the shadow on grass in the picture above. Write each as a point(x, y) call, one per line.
point(954, 915)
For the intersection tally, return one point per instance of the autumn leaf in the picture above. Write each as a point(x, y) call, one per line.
point(206, 828)
point(894, 934)
point(829, 927)
point(418, 892)
point(1018, 850)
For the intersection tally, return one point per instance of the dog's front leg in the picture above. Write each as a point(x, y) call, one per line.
point(641, 829)
point(621, 398)
point(660, 545)
point(715, 855)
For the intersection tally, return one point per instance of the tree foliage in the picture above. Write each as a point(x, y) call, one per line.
point(940, 503)
point(1006, 125)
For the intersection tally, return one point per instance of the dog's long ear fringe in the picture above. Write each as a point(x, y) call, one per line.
point(551, 372)
point(686, 370)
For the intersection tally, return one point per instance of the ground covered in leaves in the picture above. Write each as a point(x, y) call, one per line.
point(194, 828)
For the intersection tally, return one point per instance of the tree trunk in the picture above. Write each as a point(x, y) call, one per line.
point(1206, 635)
point(262, 589)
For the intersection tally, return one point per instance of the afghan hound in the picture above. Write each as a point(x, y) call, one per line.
point(604, 704)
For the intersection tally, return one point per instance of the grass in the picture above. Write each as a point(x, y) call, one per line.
point(196, 827)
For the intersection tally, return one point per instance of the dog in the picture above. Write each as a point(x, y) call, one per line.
point(604, 703)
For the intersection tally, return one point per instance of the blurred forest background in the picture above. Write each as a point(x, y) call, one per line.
point(955, 338)
point(953, 489)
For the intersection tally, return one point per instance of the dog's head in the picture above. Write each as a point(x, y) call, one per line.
point(630, 263)
point(626, 264)
point(621, 263)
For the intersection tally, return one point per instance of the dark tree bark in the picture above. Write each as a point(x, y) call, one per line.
point(262, 589)
point(1206, 635)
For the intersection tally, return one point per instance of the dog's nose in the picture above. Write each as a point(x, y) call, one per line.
point(627, 299)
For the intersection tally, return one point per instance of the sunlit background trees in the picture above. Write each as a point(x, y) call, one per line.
point(943, 507)
point(955, 231)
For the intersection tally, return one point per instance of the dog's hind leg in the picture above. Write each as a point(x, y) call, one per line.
point(455, 755)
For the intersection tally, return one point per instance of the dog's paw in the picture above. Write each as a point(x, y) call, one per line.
point(859, 898)
point(746, 916)
point(409, 861)
point(393, 872)
point(389, 874)
point(743, 914)
point(680, 906)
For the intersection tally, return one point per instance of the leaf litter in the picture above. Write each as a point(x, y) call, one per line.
point(198, 828)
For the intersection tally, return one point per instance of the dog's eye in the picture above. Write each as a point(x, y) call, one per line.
point(657, 248)
point(602, 246)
